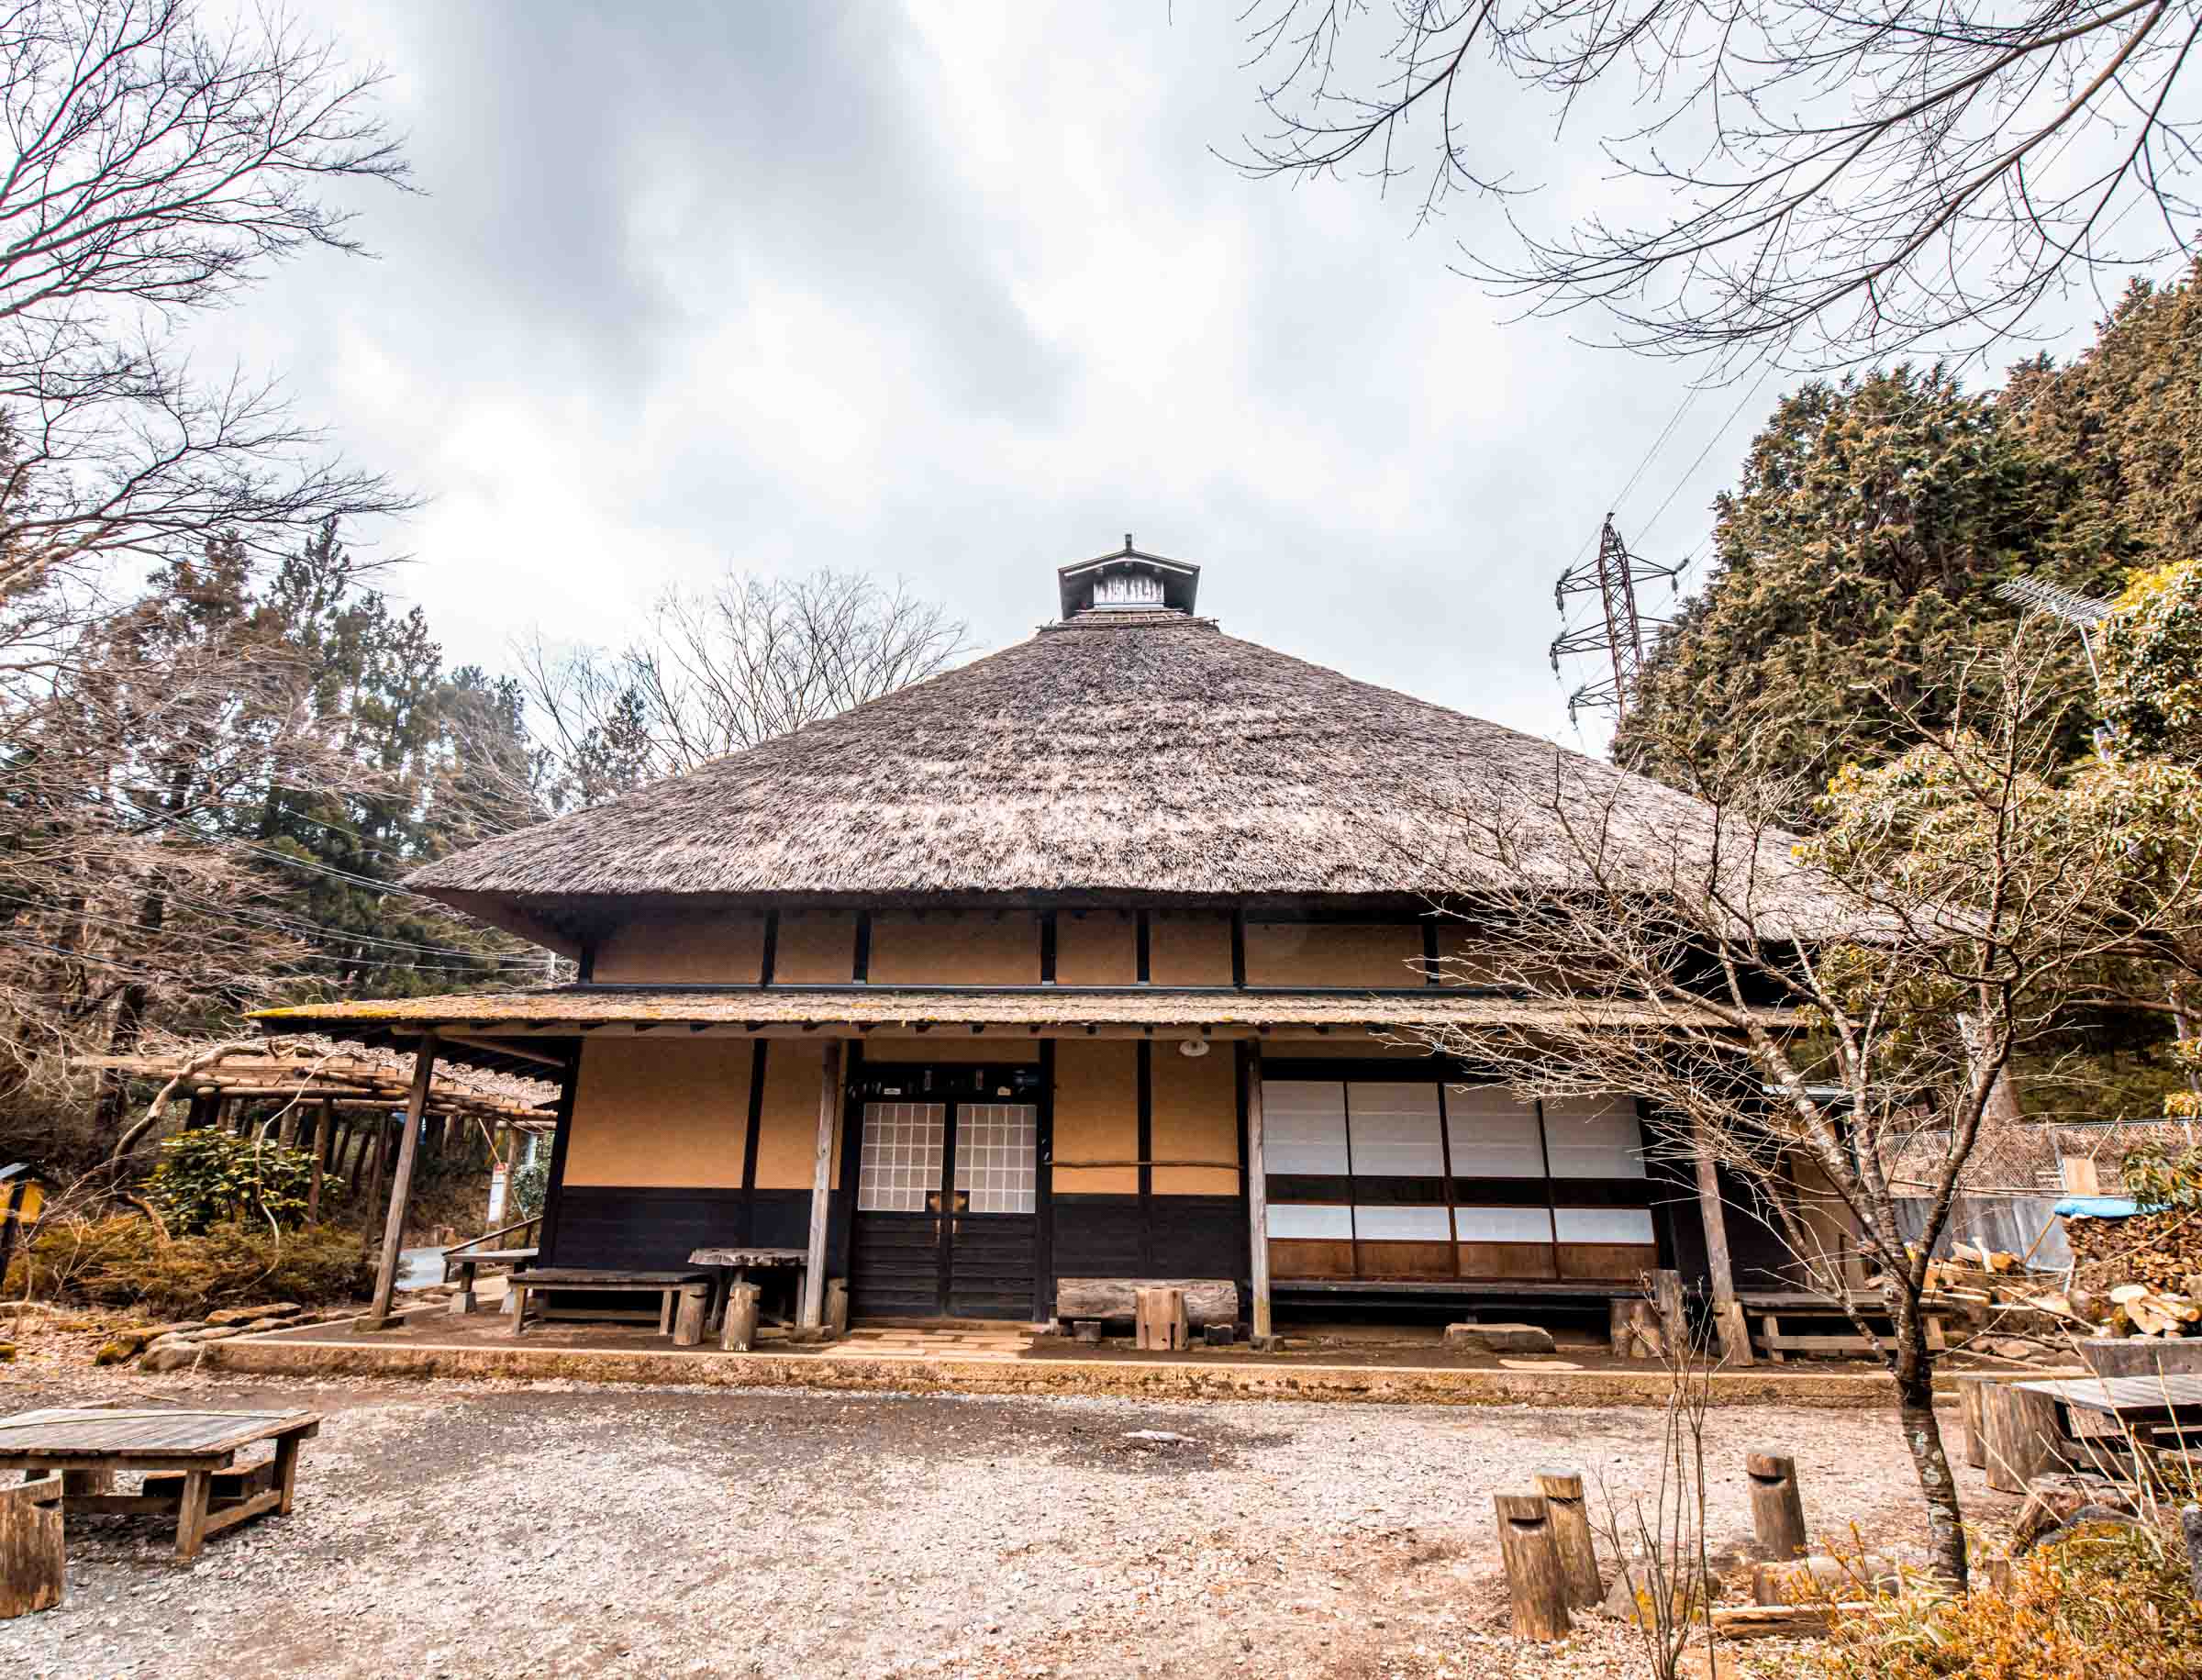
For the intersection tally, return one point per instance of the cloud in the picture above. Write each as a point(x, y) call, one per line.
point(957, 292)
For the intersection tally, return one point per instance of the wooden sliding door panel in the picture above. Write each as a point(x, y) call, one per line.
point(1292, 1258)
point(1510, 1263)
point(1605, 1263)
point(1406, 1261)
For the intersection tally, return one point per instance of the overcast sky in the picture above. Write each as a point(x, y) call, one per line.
point(959, 292)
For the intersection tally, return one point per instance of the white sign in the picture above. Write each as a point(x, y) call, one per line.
point(496, 1193)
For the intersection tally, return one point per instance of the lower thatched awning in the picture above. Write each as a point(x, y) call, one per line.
point(851, 1011)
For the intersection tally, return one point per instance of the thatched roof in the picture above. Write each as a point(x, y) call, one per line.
point(1140, 755)
point(503, 1015)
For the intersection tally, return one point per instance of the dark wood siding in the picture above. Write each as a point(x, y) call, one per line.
point(990, 1267)
point(895, 1270)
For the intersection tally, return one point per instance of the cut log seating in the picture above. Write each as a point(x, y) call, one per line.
point(1159, 1321)
point(33, 1551)
point(1209, 1300)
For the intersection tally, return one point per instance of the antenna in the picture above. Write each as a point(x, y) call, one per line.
point(1618, 633)
point(2083, 612)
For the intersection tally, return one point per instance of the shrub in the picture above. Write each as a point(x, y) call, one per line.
point(125, 1261)
point(210, 1178)
point(2110, 1603)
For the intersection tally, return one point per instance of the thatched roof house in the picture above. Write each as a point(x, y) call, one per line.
point(988, 928)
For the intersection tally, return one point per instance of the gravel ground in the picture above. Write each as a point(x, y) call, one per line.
point(493, 1529)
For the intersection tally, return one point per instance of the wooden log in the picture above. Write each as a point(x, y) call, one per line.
point(1727, 1314)
point(1535, 1587)
point(33, 1551)
point(1209, 1300)
point(810, 1309)
point(2023, 1440)
point(1159, 1321)
point(688, 1320)
point(1744, 1622)
point(1777, 1509)
point(1620, 1327)
point(1570, 1514)
point(2054, 1500)
point(740, 1332)
point(837, 1306)
point(1667, 1299)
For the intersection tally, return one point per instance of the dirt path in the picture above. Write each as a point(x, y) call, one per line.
point(491, 1531)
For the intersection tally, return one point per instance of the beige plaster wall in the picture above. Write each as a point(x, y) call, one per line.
point(1096, 1115)
point(973, 948)
point(1100, 948)
point(787, 1132)
point(817, 947)
point(1333, 954)
point(1192, 948)
point(723, 948)
point(650, 1111)
point(1195, 1118)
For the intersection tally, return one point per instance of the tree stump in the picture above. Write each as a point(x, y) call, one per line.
point(1972, 1403)
point(1777, 1509)
point(33, 1554)
point(740, 1332)
point(837, 1306)
point(1534, 1584)
point(1570, 1515)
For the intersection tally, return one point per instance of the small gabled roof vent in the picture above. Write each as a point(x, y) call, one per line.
point(1128, 581)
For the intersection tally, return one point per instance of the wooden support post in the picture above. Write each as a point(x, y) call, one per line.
point(401, 1189)
point(740, 1332)
point(1534, 1585)
point(324, 1122)
point(821, 1192)
point(1570, 1514)
point(377, 1146)
point(1257, 1200)
point(1727, 1313)
point(33, 1551)
point(1777, 1509)
point(191, 1513)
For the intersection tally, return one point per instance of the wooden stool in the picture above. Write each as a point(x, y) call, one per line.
point(1159, 1321)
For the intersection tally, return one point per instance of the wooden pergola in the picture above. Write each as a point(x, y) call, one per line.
point(320, 1083)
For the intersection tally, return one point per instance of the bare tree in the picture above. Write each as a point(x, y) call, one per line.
point(1828, 179)
point(721, 668)
point(158, 168)
point(1847, 1005)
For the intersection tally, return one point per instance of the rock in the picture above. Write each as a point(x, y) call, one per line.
point(165, 1356)
point(2053, 1500)
point(219, 1331)
point(281, 1309)
point(237, 1314)
point(1499, 1338)
point(121, 1350)
point(7, 1352)
point(182, 1326)
point(257, 1326)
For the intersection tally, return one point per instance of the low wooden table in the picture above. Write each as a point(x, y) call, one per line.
point(189, 1454)
point(670, 1286)
point(2098, 1407)
point(733, 1265)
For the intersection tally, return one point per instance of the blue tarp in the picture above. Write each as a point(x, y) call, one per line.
point(2100, 1208)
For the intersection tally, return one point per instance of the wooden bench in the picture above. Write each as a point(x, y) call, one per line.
point(466, 1258)
point(686, 1292)
point(189, 1454)
point(1825, 1313)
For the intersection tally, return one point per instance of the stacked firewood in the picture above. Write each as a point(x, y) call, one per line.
point(2161, 1250)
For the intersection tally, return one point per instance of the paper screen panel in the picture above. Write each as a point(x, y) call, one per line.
point(1304, 1127)
point(1394, 1130)
point(1493, 1133)
point(1594, 1138)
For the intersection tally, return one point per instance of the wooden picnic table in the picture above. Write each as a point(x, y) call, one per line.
point(189, 1456)
point(733, 1265)
point(672, 1287)
point(2109, 1405)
